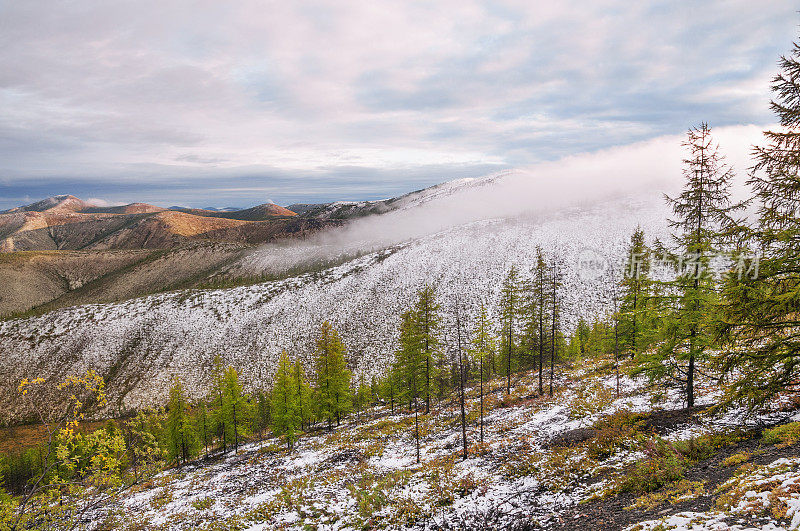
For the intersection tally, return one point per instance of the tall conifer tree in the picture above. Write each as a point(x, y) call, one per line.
point(332, 376)
point(428, 321)
point(760, 314)
point(303, 393)
point(540, 293)
point(636, 291)
point(179, 427)
point(284, 405)
point(482, 349)
point(409, 366)
point(239, 414)
point(510, 307)
point(703, 221)
point(220, 403)
point(555, 300)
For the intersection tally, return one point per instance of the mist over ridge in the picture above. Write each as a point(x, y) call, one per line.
point(643, 172)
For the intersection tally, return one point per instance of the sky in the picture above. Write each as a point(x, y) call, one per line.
point(223, 103)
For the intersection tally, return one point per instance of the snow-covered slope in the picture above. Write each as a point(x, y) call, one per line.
point(542, 463)
point(140, 345)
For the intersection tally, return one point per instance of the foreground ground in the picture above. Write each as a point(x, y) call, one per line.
point(583, 459)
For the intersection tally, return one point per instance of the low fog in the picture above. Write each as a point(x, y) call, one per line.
point(641, 172)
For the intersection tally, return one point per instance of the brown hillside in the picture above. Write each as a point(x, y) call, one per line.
point(133, 208)
point(256, 213)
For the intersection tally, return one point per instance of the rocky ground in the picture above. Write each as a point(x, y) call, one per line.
point(564, 462)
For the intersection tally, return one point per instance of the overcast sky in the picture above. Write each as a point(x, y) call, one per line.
point(234, 103)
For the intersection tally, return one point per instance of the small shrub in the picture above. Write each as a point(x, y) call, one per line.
point(736, 459)
point(370, 497)
point(676, 492)
point(479, 449)
point(786, 434)
point(614, 432)
point(467, 484)
point(407, 511)
point(705, 446)
point(590, 400)
point(663, 464)
point(562, 466)
point(202, 503)
point(522, 461)
point(161, 499)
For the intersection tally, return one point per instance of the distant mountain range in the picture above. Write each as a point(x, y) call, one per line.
point(62, 250)
point(356, 270)
point(66, 222)
point(77, 252)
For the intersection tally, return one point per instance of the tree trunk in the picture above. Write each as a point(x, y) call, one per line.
point(553, 333)
point(416, 426)
point(616, 344)
point(690, 374)
point(461, 384)
point(427, 383)
point(541, 335)
point(481, 391)
point(235, 431)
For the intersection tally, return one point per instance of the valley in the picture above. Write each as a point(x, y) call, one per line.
point(408, 266)
point(140, 345)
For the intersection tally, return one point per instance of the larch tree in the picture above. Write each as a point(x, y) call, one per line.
point(203, 424)
point(387, 387)
point(554, 298)
point(284, 403)
point(409, 367)
point(461, 378)
point(483, 344)
point(529, 311)
point(510, 308)
point(703, 220)
point(580, 339)
point(362, 396)
point(180, 432)
point(540, 286)
point(332, 376)
point(614, 295)
point(428, 322)
point(636, 291)
point(760, 312)
point(220, 403)
point(239, 413)
point(409, 363)
point(261, 414)
point(303, 392)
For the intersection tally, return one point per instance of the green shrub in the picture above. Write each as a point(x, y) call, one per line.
point(667, 461)
point(736, 459)
point(203, 503)
point(663, 464)
point(682, 490)
point(370, 493)
point(614, 432)
point(786, 434)
point(705, 446)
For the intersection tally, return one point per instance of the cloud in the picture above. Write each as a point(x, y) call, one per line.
point(140, 90)
point(96, 201)
point(641, 172)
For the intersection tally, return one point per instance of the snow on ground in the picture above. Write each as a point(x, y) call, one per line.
point(364, 473)
point(769, 491)
point(139, 346)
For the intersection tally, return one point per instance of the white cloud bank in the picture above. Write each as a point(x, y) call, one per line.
point(643, 172)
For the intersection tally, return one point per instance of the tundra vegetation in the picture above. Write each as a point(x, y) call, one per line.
point(491, 423)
